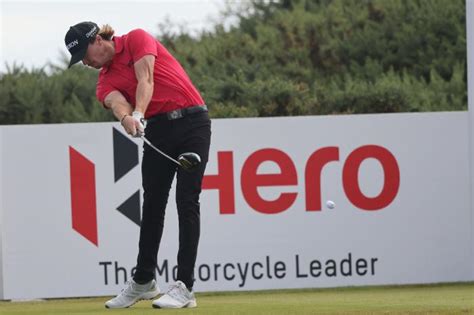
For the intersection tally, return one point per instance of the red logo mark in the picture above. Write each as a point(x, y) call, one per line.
point(83, 196)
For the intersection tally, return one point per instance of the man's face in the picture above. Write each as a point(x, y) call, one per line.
point(97, 54)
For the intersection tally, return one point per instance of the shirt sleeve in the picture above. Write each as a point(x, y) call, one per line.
point(141, 43)
point(103, 89)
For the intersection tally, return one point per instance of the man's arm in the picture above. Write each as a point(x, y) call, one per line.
point(122, 110)
point(144, 74)
point(118, 104)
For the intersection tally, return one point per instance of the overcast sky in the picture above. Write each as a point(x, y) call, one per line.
point(32, 32)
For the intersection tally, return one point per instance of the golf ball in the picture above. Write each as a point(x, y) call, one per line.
point(330, 204)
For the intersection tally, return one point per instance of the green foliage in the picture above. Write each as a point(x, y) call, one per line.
point(33, 96)
point(311, 57)
point(288, 57)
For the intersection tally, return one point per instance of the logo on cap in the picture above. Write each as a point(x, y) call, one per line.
point(72, 44)
point(91, 32)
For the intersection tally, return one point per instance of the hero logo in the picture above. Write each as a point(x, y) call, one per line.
point(251, 180)
point(83, 190)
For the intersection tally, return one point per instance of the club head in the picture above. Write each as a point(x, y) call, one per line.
point(189, 160)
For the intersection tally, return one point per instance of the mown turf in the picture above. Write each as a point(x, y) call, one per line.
point(426, 299)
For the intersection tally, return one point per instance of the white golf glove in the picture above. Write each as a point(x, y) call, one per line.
point(140, 124)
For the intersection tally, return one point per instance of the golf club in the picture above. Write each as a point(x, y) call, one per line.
point(187, 161)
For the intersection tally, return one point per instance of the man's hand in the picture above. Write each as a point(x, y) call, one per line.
point(134, 125)
point(139, 123)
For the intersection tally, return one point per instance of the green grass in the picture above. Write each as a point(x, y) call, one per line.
point(420, 299)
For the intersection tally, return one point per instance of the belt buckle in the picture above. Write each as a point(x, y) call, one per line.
point(175, 114)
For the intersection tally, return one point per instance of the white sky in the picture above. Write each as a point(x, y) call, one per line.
point(32, 32)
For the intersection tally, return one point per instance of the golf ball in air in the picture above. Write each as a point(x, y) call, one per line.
point(330, 204)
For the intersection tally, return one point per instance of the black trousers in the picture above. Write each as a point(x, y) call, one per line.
point(190, 133)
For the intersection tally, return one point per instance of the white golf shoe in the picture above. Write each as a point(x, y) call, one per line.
point(177, 296)
point(133, 293)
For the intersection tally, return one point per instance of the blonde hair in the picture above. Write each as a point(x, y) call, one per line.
point(106, 32)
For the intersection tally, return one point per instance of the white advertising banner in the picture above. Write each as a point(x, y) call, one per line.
point(470, 81)
point(71, 205)
point(1, 216)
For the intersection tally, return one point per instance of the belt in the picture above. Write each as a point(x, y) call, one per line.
point(178, 113)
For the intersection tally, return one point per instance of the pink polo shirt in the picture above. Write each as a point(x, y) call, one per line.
point(172, 87)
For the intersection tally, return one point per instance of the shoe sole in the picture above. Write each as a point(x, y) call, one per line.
point(146, 296)
point(191, 304)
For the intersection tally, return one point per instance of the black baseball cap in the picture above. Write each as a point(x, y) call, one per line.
point(78, 38)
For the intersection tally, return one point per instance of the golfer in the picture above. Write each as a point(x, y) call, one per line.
point(140, 81)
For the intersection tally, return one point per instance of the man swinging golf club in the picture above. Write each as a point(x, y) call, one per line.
point(138, 80)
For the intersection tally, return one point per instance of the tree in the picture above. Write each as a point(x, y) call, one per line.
point(283, 58)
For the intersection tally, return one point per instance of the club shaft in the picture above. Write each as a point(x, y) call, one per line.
point(159, 151)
